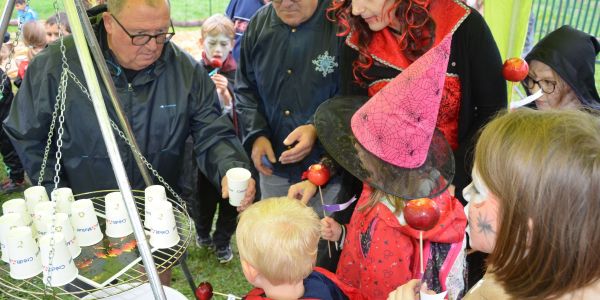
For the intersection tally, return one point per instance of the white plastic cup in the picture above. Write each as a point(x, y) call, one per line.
point(237, 184)
point(33, 196)
point(24, 254)
point(85, 223)
point(151, 194)
point(63, 198)
point(63, 269)
point(7, 222)
point(42, 209)
point(62, 225)
point(164, 228)
point(17, 206)
point(117, 220)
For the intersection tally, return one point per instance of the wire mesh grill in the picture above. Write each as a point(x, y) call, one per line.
point(164, 259)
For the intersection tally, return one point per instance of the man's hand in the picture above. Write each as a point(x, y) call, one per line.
point(248, 197)
point(262, 146)
point(305, 137)
point(330, 229)
point(302, 191)
point(221, 82)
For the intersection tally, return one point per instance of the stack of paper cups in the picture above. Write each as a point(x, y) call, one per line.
point(20, 207)
point(42, 209)
point(35, 195)
point(164, 228)
point(23, 253)
point(62, 225)
point(8, 222)
point(63, 198)
point(63, 269)
point(117, 220)
point(151, 194)
point(85, 223)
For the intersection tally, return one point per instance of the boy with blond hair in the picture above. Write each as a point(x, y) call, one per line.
point(277, 239)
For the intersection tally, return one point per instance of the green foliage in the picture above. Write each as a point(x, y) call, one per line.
point(182, 10)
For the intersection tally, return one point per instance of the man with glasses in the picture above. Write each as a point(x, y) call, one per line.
point(165, 94)
point(288, 66)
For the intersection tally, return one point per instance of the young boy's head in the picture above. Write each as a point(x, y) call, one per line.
point(20, 5)
point(216, 37)
point(277, 239)
point(55, 25)
point(34, 37)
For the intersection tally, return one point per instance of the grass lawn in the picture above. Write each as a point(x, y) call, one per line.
point(182, 10)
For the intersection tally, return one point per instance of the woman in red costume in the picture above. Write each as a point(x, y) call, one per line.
point(383, 37)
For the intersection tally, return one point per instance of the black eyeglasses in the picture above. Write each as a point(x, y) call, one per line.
point(143, 39)
point(547, 86)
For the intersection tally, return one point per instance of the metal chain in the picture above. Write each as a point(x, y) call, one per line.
point(60, 106)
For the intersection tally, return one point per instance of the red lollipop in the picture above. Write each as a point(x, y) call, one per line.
point(318, 174)
point(515, 69)
point(421, 214)
point(204, 291)
point(216, 63)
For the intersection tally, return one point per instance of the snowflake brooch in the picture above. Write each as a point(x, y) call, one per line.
point(325, 63)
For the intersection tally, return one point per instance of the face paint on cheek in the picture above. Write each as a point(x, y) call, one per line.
point(217, 46)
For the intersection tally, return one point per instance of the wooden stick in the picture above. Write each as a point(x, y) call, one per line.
point(324, 215)
point(226, 295)
point(421, 250)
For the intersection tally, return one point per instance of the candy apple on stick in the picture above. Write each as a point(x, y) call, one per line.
point(318, 174)
point(421, 214)
point(514, 70)
point(204, 291)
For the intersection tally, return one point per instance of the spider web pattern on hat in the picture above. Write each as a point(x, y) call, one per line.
point(398, 122)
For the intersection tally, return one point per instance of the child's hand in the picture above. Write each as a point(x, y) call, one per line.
point(221, 82)
point(330, 229)
point(410, 291)
point(302, 191)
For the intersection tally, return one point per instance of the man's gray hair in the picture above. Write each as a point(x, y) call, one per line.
point(115, 6)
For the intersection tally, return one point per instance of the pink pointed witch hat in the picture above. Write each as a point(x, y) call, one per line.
point(391, 141)
point(397, 123)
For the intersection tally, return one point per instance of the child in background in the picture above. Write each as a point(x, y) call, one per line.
point(24, 13)
point(55, 25)
point(277, 239)
point(34, 37)
point(216, 41)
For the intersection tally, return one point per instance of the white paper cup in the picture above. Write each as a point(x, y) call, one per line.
point(17, 206)
point(85, 223)
point(41, 209)
point(237, 183)
point(63, 269)
point(151, 194)
point(62, 225)
point(164, 228)
point(7, 222)
point(24, 254)
point(35, 195)
point(63, 198)
point(117, 221)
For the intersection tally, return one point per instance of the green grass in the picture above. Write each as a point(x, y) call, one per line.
point(182, 10)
